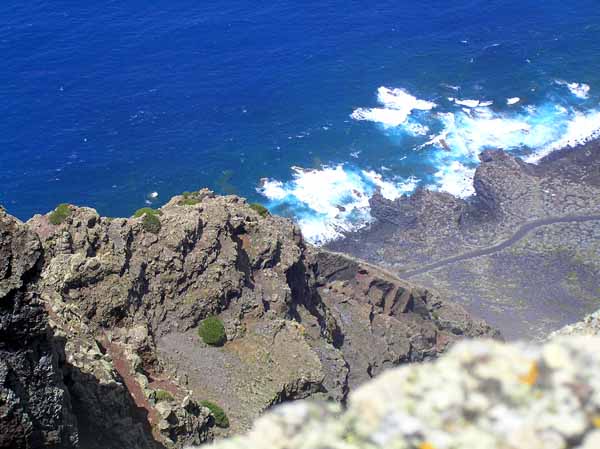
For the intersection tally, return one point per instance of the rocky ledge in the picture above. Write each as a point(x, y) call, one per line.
point(100, 316)
point(480, 395)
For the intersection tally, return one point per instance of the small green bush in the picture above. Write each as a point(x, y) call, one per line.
point(60, 214)
point(146, 210)
point(151, 223)
point(262, 210)
point(212, 331)
point(189, 199)
point(221, 419)
point(162, 395)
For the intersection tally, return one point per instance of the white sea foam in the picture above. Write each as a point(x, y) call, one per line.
point(387, 117)
point(462, 133)
point(471, 103)
point(580, 90)
point(272, 189)
point(451, 86)
point(417, 129)
point(466, 134)
point(397, 104)
point(330, 201)
point(580, 129)
point(388, 189)
point(456, 178)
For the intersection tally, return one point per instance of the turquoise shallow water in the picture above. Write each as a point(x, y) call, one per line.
point(306, 108)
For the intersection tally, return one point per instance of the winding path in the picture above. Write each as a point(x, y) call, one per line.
point(521, 232)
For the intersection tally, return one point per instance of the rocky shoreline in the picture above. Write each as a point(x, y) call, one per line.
point(522, 253)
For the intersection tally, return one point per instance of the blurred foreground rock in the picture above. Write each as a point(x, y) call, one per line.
point(480, 395)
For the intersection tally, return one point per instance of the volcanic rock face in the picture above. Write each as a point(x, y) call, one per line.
point(384, 321)
point(99, 316)
point(480, 395)
point(35, 407)
point(125, 296)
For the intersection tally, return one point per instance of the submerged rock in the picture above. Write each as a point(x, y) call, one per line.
point(480, 395)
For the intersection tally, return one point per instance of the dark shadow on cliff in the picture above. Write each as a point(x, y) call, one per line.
point(107, 415)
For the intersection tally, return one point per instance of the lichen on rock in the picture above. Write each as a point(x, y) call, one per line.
point(480, 395)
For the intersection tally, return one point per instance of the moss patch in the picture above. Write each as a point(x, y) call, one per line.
point(262, 210)
point(162, 395)
point(60, 214)
point(218, 413)
point(212, 331)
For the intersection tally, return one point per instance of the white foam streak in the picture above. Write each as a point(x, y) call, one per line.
point(581, 129)
point(456, 179)
point(397, 104)
point(471, 103)
point(390, 190)
point(580, 90)
point(331, 201)
point(387, 117)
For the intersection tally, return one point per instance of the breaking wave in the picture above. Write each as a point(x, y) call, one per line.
point(332, 200)
point(451, 132)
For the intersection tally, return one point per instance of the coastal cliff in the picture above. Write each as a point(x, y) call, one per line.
point(118, 303)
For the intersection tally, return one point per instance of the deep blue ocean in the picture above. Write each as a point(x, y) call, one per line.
point(307, 107)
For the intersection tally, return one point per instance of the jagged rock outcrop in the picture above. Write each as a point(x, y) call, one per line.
point(100, 316)
point(384, 321)
point(35, 405)
point(299, 322)
point(480, 395)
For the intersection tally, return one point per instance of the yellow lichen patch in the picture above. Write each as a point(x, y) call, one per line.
point(532, 375)
point(426, 445)
point(596, 421)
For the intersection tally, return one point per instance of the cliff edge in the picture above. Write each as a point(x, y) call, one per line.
point(120, 303)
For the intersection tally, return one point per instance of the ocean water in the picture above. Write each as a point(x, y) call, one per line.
point(307, 107)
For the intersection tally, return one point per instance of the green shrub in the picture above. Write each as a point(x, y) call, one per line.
point(189, 199)
point(60, 214)
point(151, 223)
point(162, 395)
point(218, 413)
point(262, 210)
point(146, 210)
point(212, 331)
